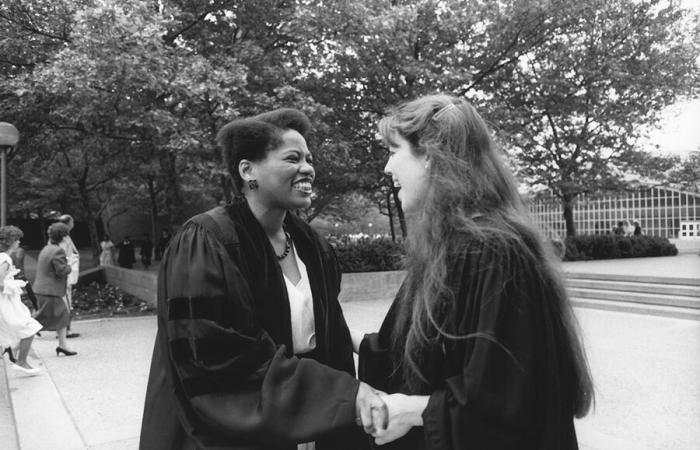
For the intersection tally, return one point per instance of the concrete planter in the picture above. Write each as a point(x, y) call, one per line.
point(354, 287)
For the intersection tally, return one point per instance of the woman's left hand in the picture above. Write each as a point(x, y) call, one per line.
point(405, 412)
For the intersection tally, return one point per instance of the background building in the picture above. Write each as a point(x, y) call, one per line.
point(660, 211)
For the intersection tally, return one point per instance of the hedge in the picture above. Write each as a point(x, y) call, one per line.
point(611, 246)
point(369, 255)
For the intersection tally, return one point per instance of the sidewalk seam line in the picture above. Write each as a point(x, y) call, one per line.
point(63, 402)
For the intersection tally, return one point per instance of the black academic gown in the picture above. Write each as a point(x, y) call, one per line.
point(509, 386)
point(223, 374)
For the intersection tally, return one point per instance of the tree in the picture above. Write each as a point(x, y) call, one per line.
point(575, 106)
point(686, 173)
point(386, 52)
point(113, 91)
point(133, 92)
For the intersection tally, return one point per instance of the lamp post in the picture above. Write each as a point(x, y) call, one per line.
point(8, 139)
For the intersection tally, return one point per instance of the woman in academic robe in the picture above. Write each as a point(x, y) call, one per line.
point(479, 349)
point(252, 350)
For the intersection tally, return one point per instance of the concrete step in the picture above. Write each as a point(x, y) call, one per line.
point(680, 301)
point(637, 308)
point(683, 281)
point(633, 286)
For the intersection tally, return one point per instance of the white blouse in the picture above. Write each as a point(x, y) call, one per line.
point(301, 307)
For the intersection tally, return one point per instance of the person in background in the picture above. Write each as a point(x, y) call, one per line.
point(619, 229)
point(17, 328)
point(252, 349)
point(106, 256)
point(126, 256)
point(146, 251)
point(18, 261)
point(73, 258)
point(627, 228)
point(50, 283)
point(637, 228)
point(163, 241)
point(480, 349)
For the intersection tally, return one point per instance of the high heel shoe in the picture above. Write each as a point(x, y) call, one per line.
point(60, 350)
point(31, 371)
point(8, 350)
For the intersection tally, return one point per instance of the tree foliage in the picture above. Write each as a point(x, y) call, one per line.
point(118, 103)
point(576, 105)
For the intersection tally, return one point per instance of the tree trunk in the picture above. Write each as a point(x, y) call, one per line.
point(173, 198)
point(567, 202)
point(42, 226)
point(390, 213)
point(152, 196)
point(92, 226)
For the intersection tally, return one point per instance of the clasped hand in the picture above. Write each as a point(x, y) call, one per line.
point(388, 417)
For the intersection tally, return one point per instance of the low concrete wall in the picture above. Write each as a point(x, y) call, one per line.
point(354, 287)
point(135, 282)
point(370, 285)
point(687, 245)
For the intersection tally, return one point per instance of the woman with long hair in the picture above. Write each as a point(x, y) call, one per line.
point(480, 349)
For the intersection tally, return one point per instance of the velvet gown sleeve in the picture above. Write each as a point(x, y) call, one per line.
point(228, 372)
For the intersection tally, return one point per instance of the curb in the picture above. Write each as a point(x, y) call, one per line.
point(8, 426)
point(58, 430)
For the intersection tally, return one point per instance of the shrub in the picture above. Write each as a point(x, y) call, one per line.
point(367, 255)
point(609, 246)
point(104, 300)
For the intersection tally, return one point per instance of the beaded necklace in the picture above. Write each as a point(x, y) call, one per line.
point(287, 246)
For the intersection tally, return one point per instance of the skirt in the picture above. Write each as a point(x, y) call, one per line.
point(16, 322)
point(53, 313)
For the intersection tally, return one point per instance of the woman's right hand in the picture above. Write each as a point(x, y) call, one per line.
point(403, 412)
point(370, 410)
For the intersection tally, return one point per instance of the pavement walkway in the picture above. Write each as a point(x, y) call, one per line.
point(646, 369)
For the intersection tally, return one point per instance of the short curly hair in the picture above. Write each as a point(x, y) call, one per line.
point(253, 137)
point(8, 235)
point(57, 231)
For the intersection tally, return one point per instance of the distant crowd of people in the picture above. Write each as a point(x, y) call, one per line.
point(126, 251)
point(50, 295)
point(627, 228)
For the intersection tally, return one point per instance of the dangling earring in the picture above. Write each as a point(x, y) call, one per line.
point(253, 184)
point(427, 164)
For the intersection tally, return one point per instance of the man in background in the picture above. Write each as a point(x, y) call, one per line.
point(126, 256)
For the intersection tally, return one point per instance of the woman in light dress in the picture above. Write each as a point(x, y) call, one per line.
point(16, 324)
point(107, 246)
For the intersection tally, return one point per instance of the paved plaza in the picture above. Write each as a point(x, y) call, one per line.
point(646, 369)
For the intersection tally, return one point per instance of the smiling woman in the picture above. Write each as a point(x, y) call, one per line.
point(480, 348)
point(252, 349)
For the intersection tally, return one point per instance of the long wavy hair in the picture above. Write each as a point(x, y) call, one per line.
point(469, 192)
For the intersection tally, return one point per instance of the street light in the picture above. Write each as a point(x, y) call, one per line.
point(8, 139)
